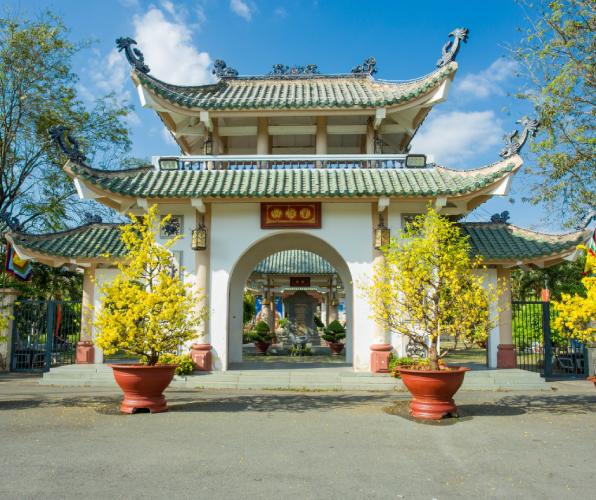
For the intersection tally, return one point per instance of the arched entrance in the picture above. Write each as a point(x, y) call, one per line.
point(273, 243)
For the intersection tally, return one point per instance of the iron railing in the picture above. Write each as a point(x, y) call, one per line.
point(540, 347)
point(45, 334)
point(283, 162)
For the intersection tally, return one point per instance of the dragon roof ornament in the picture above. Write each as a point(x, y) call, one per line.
point(513, 145)
point(72, 153)
point(501, 218)
point(221, 69)
point(368, 67)
point(460, 35)
point(135, 56)
point(280, 69)
point(12, 222)
point(92, 218)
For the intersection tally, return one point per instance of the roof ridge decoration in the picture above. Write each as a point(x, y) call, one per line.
point(135, 56)
point(84, 227)
point(460, 35)
point(222, 70)
point(72, 153)
point(513, 145)
point(367, 68)
point(280, 69)
point(12, 222)
point(501, 218)
point(525, 230)
point(92, 218)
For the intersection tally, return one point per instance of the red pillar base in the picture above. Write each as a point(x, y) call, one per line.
point(379, 359)
point(506, 357)
point(85, 353)
point(201, 355)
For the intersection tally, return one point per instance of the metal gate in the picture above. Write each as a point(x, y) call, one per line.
point(540, 347)
point(45, 333)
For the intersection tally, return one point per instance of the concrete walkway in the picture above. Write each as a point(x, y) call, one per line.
point(303, 376)
point(71, 442)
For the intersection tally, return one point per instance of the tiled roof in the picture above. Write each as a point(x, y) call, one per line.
point(294, 93)
point(494, 242)
point(85, 242)
point(294, 262)
point(295, 183)
point(509, 242)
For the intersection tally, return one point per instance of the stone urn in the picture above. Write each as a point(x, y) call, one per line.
point(432, 390)
point(143, 386)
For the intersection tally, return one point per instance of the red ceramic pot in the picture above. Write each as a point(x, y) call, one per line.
point(262, 347)
point(143, 386)
point(592, 379)
point(433, 391)
point(336, 348)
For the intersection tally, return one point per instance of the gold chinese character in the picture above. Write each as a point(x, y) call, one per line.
point(290, 213)
point(275, 213)
point(305, 213)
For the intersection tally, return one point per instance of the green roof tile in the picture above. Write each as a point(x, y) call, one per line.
point(295, 183)
point(494, 242)
point(322, 90)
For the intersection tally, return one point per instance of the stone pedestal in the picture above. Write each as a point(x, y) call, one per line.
point(379, 359)
point(85, 353)
point(506, 357)
point(201, 356)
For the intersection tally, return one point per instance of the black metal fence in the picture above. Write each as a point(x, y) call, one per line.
point(540, 347)
point(44, 334)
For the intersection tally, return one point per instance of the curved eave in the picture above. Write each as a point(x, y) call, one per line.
point(472, 187)
point(177, 98)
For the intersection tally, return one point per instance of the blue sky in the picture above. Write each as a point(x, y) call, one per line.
point(180, 40)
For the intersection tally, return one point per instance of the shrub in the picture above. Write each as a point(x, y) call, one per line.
point(185, 362)
point(261, 333)
point(318, 322)
point(282, 322)
point(334, 332)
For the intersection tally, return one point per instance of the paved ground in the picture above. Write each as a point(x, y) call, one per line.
point(63, 443)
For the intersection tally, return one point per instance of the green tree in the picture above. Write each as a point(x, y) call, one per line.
point(37, 91)
point(250, 308)
point(565, 277)
point(556, 57)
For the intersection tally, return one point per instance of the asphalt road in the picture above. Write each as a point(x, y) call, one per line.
point(63, 443)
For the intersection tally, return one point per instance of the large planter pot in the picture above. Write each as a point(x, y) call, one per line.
point(143, 386)
point(336, 348)
point(592, 379)
point(262, 347)
point(433, 391)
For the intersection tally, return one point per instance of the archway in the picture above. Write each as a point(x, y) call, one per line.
point(270, 244)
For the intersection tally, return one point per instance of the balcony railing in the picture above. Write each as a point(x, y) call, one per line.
point(289, 162)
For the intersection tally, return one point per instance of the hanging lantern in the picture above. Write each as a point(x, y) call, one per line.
point(208, 146)
point(382, 234)
point(378, 146)
point(199, 237)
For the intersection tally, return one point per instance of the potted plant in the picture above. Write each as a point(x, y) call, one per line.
point(575, 320)
point(333, 334)
point(146, 310)
point(261, 337)
point(429, 285)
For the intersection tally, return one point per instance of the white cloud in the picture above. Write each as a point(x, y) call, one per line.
point(201, 13)
point(458, 137)
point(242, 8)
point(481, 85)
point(169, 50)
point(167, 137)
point(281, 12)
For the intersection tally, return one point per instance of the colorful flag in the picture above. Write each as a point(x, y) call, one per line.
point(20, 269)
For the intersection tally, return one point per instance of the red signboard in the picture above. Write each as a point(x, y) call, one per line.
point(291, 215)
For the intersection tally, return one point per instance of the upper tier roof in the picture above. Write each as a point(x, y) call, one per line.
point(311, 91)
point(295, 183)
point(495, 242)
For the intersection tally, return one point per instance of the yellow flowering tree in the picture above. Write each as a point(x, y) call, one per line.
point(146, 309)
point(427, 286)
point(576, 313)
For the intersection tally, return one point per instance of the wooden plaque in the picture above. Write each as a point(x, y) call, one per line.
point(291, 215)
point(303, 282)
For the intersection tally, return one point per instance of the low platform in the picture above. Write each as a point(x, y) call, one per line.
point(303, 376)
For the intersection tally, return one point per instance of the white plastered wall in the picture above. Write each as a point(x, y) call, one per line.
point(493, 338)
point(101, 276)
point(238, 244)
